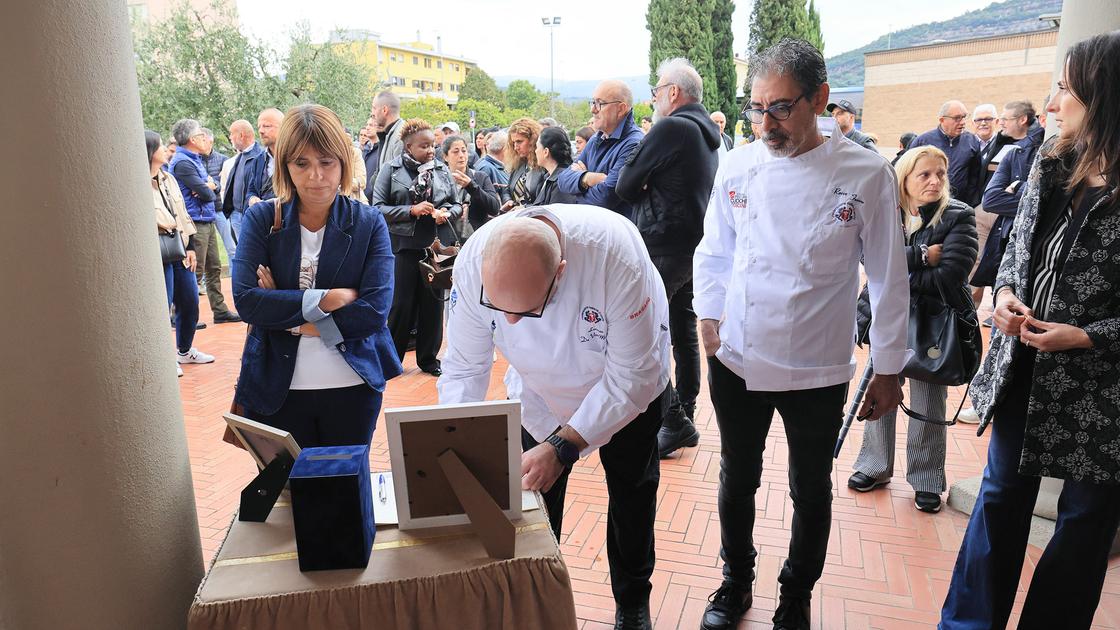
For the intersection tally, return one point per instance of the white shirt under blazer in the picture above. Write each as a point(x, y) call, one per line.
point(597, 357)
point(779, 264)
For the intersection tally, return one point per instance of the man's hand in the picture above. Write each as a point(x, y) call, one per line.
point(1010, 313)
point(883, 394)
point(422, 208)
point(191, 261)
point(540, 468)
point(594, 179)
point(336, 299)
point(1052, 337)
point(578, 166)
point(709, 334)
point(933, 255)
point(210, 183)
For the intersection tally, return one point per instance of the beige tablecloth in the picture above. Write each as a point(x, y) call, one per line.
point(418, 579)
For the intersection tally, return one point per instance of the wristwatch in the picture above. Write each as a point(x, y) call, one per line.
point(566, 452)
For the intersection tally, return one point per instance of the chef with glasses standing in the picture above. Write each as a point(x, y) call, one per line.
point(570, 297)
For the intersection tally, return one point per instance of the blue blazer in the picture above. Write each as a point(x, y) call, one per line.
point(356, 255)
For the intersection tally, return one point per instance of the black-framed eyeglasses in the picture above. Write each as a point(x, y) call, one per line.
point(535, 313)
point(781, 111)
point(654, 90)
point(958, 118)
point(599, 104)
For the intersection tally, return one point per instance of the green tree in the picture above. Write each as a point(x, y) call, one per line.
point(430, 108)
point(640, 110)
point(723, 60)
point(329, 76)
point(486, 114)
point(521, 94)
point(479, 86)
point(682, 28)
point(773, 20)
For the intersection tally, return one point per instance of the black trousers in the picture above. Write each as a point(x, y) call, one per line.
point(812, 420)
point(633, 471)
point(341, 416)
point(414, 303)
point(676, 274)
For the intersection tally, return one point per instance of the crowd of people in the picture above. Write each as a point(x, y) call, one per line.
point(588, 259)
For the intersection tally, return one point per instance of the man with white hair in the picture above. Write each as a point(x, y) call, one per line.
point(720, 119)
point(232, 184)
point(668, 180)
point(984, 119)
point(570, 297)
point(492, 165)
point(962, 148)
point(593, 178)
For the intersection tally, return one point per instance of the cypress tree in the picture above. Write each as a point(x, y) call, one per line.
point(723, 61)
point(682, 28)
point(813, 34)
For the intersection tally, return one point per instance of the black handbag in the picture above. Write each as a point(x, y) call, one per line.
point(437, 266)
point(945, 341)
point(171, 247)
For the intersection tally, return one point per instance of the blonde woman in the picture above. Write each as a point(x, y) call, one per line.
point(941, 247)
point(526, 177)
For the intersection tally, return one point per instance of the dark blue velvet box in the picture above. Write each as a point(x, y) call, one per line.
point(332, 507)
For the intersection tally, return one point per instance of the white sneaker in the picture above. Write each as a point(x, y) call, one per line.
point(178, 370)
point(968, 416)
point(195, 356)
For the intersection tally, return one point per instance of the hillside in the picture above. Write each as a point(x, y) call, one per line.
point(999, 18)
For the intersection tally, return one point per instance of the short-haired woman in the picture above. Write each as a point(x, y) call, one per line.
point(525, 176)
point(941, 247)
point(419, 200)
point(553, 153)
point(582, 137)
point(179, 276)
point(316, 292)
point(1049, 385)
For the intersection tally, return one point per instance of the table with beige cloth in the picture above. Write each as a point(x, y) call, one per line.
point(417, 579)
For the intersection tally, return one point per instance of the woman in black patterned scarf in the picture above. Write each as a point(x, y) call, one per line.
point(420, 202)
point(1050, 386)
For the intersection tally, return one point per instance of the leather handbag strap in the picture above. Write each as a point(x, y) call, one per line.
point(277, 218)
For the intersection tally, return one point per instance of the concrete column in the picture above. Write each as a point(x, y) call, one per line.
point(97, 517)
point(1081, 19)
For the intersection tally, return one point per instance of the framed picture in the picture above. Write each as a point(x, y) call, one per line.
point(486, 436)
point(263, 442)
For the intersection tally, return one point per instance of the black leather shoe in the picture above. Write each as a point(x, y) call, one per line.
point(227, 318)
point(928, 502)
point(864, 483)
point(200, 326)
point(727, 606)
point(676, 432)
point(633, 618)
point(436, 371)
point(792, 613)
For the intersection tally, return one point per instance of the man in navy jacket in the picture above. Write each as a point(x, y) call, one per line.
point(962, 147)
point(259, 168)
point(594, 177)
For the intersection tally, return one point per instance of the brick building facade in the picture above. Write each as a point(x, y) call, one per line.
point(904, 87)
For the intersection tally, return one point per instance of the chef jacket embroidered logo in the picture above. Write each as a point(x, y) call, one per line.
point(737, 200)
point(454, 298)
point(844, 212)
point(591, 315)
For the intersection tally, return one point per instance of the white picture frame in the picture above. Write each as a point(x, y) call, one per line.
point(262, 441)
point(397, 418)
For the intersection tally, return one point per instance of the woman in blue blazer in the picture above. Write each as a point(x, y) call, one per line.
point(316, 291)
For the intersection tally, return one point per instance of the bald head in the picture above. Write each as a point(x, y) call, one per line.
point(617, 101)
point(268, 125)
point(241, 134)
point(951, 117)
point(519, 261)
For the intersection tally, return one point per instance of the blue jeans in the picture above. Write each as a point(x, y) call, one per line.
point(235, 227)
point(1067, 581)
point(182, 291)
point(341, 416)
point(224, 227)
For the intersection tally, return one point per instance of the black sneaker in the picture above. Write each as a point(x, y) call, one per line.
point(792, 613)
point(927, 502)
point(229, 317)
point(864, 483)
point(676, 432)
point(727, 606)
point(633, 618)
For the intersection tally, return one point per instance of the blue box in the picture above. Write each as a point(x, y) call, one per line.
point(332, 507)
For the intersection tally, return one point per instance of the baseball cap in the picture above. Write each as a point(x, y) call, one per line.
point(843, 104)
point(453, 126)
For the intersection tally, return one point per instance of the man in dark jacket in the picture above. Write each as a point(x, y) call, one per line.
point(213, 161)
point(962, 147)
point(244, 139)
point(844, 113)
point(258, 169)
point(668, 180)
point(721, 121)
point(593, 178)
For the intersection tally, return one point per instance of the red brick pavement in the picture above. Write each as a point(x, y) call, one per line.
point(888, 565)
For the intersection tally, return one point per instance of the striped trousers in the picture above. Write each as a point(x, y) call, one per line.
point(925, 443)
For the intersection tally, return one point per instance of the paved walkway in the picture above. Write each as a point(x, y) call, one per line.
point(888, 564)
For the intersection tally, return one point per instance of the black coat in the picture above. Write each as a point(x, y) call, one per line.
point(484, 202)
point(956, 233)
point(550, 192)
point(668, 180)
point(392, 196)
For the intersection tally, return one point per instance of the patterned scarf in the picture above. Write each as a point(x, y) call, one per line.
point(521, 189)
point(421, 189)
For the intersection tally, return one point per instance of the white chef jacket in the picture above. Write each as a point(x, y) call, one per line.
point(779, 264)
point(598, 356)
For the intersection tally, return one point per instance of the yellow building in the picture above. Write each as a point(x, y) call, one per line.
point(411, 69)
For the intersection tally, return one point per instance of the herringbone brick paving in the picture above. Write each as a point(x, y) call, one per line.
point(888, 565)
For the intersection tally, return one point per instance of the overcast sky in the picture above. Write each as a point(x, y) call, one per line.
point(596, 39)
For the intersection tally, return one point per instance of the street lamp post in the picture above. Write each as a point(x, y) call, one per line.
point(551, 24)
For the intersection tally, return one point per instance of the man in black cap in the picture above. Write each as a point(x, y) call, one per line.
point(844, 113)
